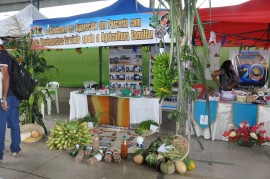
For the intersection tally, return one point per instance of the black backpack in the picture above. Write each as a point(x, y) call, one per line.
point(20, 81)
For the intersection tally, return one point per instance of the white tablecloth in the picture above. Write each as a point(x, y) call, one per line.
point(141, 109)
point(224, 121)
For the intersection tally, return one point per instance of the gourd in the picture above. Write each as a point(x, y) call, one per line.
point(180, 166)
point(167, 167)
point(138, 159)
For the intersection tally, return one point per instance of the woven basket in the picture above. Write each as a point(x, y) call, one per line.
point(184, 144)
point(149, 134)
point(30, 128)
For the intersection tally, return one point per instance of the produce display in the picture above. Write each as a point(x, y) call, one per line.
point(145, 127)
point(66, 134)
point(168, 155)
point(165, 154)
point(164, 75)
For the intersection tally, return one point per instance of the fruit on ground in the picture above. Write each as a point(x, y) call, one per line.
point(190, 164)
point(35, 134)
point(180, 166)
point(167, 167)
point(138, 159)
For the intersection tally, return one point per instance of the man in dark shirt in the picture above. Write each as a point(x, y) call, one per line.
point(9, 109)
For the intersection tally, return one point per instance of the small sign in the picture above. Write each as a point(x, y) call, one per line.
point(204, 119)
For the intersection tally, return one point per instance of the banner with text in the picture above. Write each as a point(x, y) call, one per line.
point(128, 29)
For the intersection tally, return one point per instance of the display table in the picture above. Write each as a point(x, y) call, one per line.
point(124, 111)
point(227, 115)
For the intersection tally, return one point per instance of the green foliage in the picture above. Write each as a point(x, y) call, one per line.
point(90, 118)
point(190, 77)
point(37, 66)
point(145, 126)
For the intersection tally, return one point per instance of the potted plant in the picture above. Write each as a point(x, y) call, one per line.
point(247, 136)
point(37, 66)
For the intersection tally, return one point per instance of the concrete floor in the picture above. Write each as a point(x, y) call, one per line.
point(220, 160)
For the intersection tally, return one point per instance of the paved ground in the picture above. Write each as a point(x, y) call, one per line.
point(220, 160)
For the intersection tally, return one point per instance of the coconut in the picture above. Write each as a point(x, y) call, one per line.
point(35, 134)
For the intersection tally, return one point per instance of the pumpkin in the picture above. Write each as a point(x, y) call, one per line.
point(180, 166)
point(167, 167)
point(190, 164)
point(138, 159)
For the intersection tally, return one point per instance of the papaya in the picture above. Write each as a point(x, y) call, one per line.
point(190, 164)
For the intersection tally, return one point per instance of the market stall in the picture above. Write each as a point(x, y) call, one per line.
point(131, 110)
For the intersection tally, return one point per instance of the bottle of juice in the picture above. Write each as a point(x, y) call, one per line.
point(124, 148)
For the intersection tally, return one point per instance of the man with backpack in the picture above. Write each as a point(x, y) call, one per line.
point(9, 109)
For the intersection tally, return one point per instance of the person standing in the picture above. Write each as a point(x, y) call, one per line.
point(227, 77)
point(9, 109)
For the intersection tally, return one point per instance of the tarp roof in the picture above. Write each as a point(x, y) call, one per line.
point(118, 8)
point(19, 24)
point(246, 24)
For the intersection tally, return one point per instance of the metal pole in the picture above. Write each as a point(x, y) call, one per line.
point(100, 66)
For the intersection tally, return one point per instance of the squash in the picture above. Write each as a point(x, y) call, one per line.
point(138, 159)
point(167, 167)
point(180, 166)
point(190, 164)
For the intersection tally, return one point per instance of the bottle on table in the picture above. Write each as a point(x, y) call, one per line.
point(124, 148)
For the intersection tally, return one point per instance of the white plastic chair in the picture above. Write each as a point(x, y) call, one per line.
point(52, 88)
point(89, 83)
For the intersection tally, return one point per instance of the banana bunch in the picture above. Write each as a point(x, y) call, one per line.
point(68, 134)
point(164, 75)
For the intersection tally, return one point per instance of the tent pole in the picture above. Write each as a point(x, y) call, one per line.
point(35, 4)
point(100, 66)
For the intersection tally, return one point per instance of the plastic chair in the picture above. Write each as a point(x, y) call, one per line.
point(89, 84)
point(52, 89)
